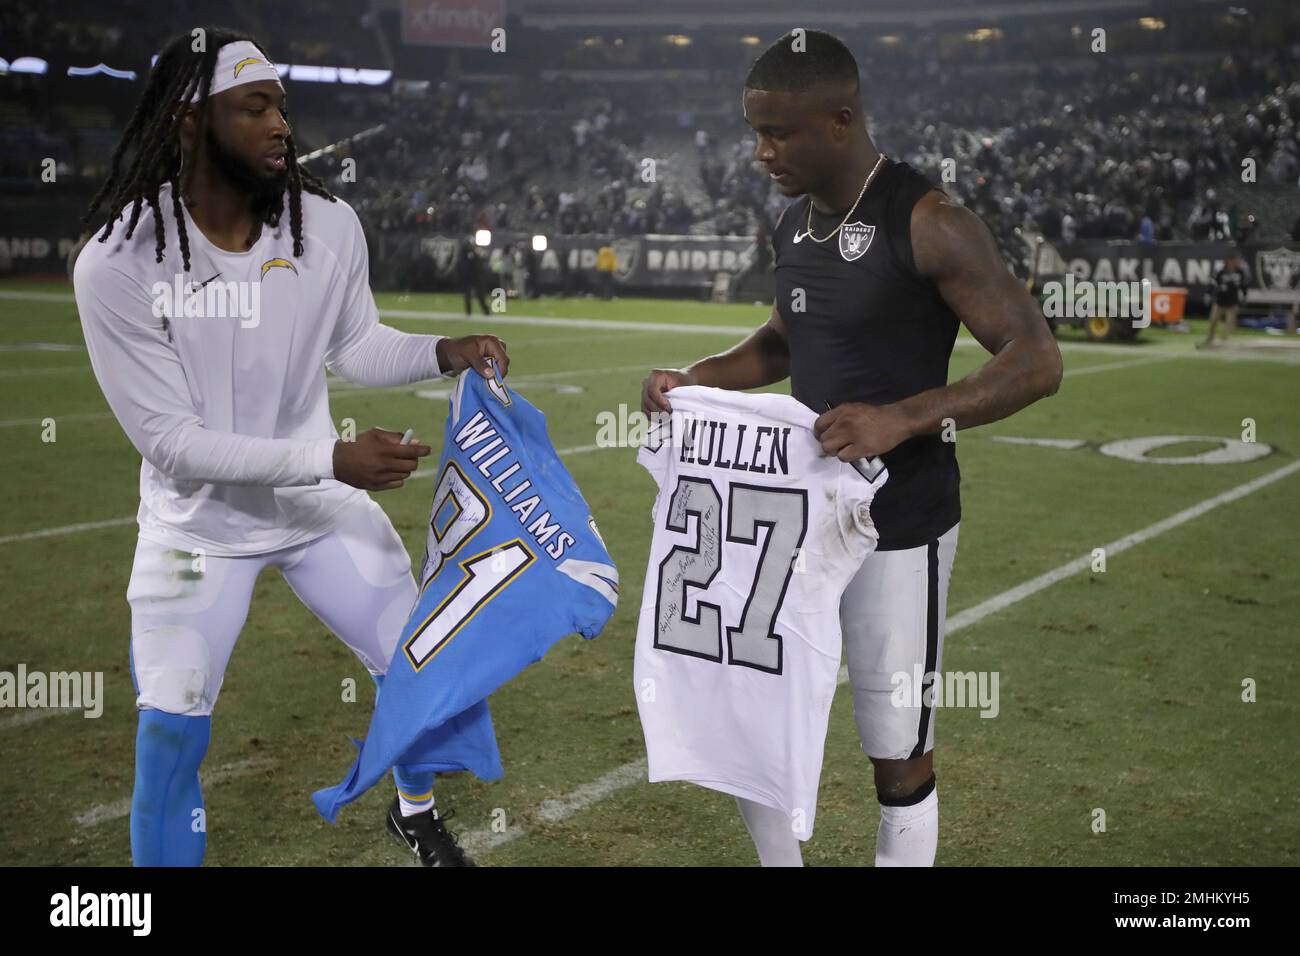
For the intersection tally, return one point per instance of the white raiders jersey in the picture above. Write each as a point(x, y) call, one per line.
point(756, 535)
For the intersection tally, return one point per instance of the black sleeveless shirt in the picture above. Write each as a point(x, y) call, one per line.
point(864, 326)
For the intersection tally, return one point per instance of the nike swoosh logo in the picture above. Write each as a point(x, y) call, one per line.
point(797, 235)
point(411, 845)
point(193, 287)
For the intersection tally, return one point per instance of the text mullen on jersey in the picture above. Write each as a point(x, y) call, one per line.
point(703, 441)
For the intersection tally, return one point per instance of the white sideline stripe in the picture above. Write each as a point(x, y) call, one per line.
point(38, 296)
point(631, 774)
point(687, 328)
point(1068, 444)
point(104, 812)
point(504, 318)
point(1034, 585)
point(79, 417)
point(32, 716)
point(67, 529)
point(1111, 366)
point(558, 809)
point(44, 370)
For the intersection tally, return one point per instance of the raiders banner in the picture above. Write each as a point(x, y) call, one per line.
point(1273, 266)
point(652, 263)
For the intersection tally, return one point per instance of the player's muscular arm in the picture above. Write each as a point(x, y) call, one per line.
point(762, 358)
point(954, 248)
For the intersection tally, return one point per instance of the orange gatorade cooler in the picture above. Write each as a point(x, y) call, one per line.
point(1167, 306)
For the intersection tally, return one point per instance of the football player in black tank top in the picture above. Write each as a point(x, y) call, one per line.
point(875, 268)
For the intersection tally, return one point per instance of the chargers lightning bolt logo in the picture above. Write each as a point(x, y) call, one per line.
point(270, 264)
point(247, 61)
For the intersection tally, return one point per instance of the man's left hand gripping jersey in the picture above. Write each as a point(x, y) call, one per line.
point(513, 563)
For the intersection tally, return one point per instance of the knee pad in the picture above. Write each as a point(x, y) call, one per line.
point(172, 671)
point(922, 791)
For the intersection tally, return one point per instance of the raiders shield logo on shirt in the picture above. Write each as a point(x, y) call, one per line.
point(855, 238)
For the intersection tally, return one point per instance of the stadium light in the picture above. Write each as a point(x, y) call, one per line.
point(539, 243)
point(24, 64)
point(483, 237)
point(103, 68)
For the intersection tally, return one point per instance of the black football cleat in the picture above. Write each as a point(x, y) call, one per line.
point(427, 836)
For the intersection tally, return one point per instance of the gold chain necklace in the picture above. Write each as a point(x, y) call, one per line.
point(870, 176)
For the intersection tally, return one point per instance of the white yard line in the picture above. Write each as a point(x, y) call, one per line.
point(496, 318)
point(1034, 585)
point(32, 716)
point(67, 529)
point(1112, 366)
point(30, 422)
point(37, 296)
point(44, 370)
point(506, 318)
point(632, 774)
point(559, 809)
point(104, 812)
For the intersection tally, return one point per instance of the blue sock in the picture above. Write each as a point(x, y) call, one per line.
point(168, 751)
point(413, 785)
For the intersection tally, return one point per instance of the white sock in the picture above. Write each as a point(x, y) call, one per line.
point(770, 830)
point(909, 836)
point(411, 805)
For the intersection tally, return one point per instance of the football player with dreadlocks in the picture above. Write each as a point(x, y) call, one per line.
point(210, 335)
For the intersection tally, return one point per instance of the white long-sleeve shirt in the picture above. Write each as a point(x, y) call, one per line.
point(217, 375)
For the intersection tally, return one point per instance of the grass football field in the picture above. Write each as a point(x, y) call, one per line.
point(1120, 691)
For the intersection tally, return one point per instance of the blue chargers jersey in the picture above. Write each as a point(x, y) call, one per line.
point(513, 562)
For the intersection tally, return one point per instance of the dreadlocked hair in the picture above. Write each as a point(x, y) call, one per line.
point(152, 136)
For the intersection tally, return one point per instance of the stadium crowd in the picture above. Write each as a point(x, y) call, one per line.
point(1083, 149)
point(1138, 155)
